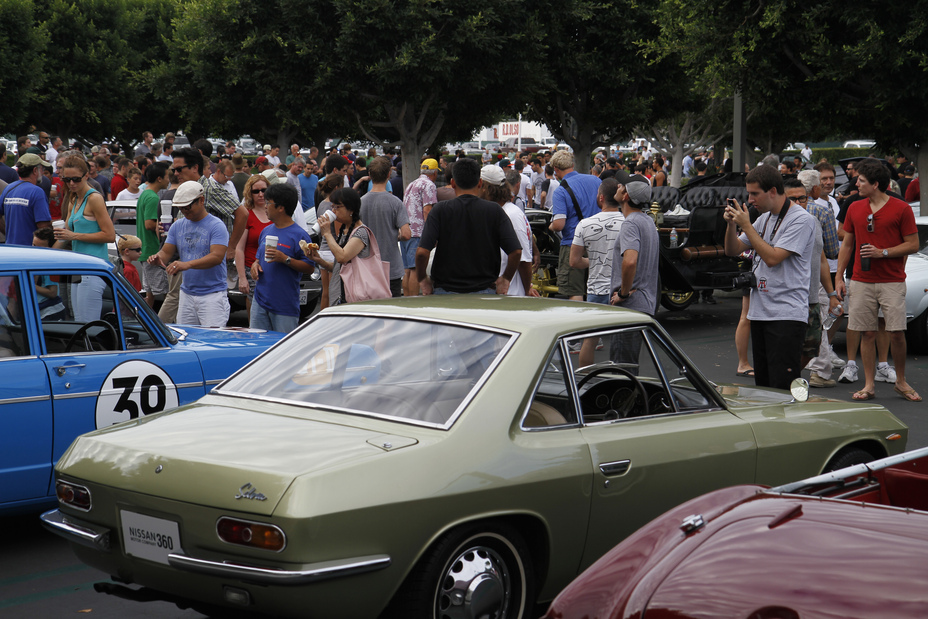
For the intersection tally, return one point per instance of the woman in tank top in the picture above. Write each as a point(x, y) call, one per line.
point(89, 228)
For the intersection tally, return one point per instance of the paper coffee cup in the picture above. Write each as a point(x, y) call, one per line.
point(270, 242)
point(166, 221)
point(58, 224)
point(165, 208)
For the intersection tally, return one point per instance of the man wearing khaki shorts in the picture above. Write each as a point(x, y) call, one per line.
point(881, 231)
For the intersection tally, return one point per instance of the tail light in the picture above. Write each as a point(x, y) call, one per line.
point(251, 534)
point(73, 495)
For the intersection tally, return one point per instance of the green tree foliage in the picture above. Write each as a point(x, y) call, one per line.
point(93, 75)
point(592, 85)
point(243, 67)
point(23, 43)
point(413, 70)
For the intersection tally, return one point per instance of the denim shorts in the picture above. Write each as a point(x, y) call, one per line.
point(408, 248)
point(602, 299)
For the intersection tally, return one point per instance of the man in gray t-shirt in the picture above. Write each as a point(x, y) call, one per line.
point(637, 249)
point(385, 215)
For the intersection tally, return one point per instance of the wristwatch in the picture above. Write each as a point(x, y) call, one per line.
point(886, 253)
point(624, 296)
point(832, 294)
point(287, 261)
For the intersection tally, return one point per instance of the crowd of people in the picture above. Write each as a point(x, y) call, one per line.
point(207, 224)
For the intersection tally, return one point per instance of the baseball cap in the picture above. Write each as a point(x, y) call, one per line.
point(272, 177)
point(504, 163)
point(429, 164)
point(637, 187)
point(266, 147)
point(31, 160)
point(493, 175)
point(260, 160)
point(187, 193)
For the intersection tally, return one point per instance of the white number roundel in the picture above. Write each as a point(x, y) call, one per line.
point(133, 389)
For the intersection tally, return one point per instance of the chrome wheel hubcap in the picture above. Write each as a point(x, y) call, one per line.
point(476, 586)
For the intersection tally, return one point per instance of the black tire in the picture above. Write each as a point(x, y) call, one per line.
point(676, 301)
point(477, 570)
point(849, 456)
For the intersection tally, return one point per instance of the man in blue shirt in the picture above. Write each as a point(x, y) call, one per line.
point(574, 200)
point(7, 173)
point(277, 272)
point(202, 241)
point(23, 205)
point(308, 181)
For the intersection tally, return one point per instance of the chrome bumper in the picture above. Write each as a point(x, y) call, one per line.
point(75, 530)
point(311, 573)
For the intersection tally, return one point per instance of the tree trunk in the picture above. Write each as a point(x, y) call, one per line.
point(285, 138)
point(676, 165)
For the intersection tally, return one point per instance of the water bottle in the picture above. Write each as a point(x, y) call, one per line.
point(832, 317)
point(673, 237)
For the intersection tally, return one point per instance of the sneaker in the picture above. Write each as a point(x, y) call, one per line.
point(710, 300)
point(574, 347)
point(817, 381)
point(885, 374)
point(836, 361)
point(599, 344)
point(849, 375)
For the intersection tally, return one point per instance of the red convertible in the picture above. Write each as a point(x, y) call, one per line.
point(853, 543)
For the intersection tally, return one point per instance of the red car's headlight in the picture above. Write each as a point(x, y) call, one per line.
point(73, 495)
point(251, 534)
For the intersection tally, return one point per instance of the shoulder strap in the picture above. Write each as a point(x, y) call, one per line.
point(8, 187)
point(573, 199)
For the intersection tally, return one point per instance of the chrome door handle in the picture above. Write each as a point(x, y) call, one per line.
point(61, 369)
point(613, 469)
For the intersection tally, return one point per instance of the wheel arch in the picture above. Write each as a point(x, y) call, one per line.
point(872, 446)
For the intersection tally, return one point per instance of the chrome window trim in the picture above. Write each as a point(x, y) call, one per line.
point(534, 390)
point(513, 336)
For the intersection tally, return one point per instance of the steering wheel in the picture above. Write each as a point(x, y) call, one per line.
point(637, 383)
point(83, 332)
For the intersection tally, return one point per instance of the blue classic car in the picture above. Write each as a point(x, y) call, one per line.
point(61, 377)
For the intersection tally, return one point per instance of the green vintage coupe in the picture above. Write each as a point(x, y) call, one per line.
point(436, 457)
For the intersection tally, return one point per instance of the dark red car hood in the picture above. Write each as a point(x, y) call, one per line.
point(762, 556)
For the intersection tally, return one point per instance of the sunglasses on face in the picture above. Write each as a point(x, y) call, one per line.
point(870, 222)
point(181, 168)
point(71, 179)
point(135, 249)
point(257, 191)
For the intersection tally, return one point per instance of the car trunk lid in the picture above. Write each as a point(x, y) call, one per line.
point(223, 457)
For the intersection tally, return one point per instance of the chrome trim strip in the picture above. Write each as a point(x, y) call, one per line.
point(76, 531)
point(215, 381)
point(188, 385)
point(24, 400)
point(71, 396)
point(314, 572)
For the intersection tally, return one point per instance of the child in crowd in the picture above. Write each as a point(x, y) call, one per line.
point(133, 191)
point(129, 248)
point(51, 307)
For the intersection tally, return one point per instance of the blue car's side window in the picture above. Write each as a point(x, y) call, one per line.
point(14, 341)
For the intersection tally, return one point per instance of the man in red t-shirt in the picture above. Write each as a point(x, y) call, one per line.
point(881, 230)
point(119, 181)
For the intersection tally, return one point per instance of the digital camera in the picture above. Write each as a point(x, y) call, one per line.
point(745, 280)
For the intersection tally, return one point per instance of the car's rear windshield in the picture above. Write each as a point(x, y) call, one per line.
point(414, 371)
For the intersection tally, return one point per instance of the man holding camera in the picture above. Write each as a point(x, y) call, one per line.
point(782, 240)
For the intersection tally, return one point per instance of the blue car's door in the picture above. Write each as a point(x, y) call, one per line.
point(25, 402)
point(113, 368)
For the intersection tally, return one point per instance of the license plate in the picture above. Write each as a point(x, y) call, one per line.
point(304, 296)
point(149, 538)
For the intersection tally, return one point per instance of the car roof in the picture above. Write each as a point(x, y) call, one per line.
point(23, 257)
point(517, 314)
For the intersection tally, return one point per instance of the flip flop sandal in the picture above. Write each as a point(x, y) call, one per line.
point(863, 396)
point(748, 373)
point(909, 394)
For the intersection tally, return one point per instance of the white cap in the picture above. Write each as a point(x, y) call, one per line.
point(187, 193)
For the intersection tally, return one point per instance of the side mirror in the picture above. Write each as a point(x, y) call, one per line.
point(799, 388)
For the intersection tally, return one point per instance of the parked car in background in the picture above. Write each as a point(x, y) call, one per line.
point(850, 544)
point(63, 377)
point(859, 144)
point(248, 146)
point(527, 145)
point(434, 453)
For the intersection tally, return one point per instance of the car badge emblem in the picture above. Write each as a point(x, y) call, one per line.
point(158, 469)
point(250, 492)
